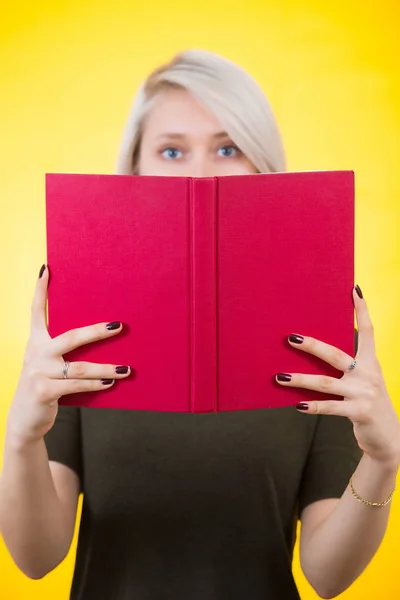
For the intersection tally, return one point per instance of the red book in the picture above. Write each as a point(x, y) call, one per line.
point(209, 277)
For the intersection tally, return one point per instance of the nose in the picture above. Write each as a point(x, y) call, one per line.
point(201, 166)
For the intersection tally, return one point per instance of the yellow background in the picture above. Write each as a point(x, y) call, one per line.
point(69, 69)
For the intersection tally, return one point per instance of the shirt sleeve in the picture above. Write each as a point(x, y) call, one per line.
point(333, 457)
point(63, 441)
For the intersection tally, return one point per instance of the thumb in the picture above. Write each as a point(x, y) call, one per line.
point(38, 307)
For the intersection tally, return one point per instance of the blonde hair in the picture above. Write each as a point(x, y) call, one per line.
point(225, 89)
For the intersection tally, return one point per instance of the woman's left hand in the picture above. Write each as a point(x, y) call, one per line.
point(366, 400)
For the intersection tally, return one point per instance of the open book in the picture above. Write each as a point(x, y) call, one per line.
point(209, 277)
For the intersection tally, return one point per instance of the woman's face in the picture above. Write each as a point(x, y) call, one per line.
point(183, 139)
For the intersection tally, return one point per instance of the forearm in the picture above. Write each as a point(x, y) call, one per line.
point(31, 515)
point(344, 543)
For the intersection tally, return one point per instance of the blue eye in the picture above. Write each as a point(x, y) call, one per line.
point(171, 153)
point(228, 151)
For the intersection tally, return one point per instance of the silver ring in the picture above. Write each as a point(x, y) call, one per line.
point(65, 369)
point(352, 366)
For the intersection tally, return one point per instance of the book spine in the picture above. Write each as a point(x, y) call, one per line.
point(203, 295)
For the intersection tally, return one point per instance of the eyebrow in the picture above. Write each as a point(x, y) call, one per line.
point(177, 136)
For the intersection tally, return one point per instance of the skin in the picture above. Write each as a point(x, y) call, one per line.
point(183, 139)
point(38, 499)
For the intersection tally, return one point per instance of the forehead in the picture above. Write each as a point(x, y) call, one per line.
point(177, 111)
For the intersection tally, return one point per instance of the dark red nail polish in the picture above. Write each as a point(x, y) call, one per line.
point(113, 325)
point(107, 381)
point(284, 377)
point(302, 406)
point(42, 270)
point(359, 292)
point(121, 370)
point(296, 339)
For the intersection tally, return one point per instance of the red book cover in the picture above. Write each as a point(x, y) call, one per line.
point(209, 277)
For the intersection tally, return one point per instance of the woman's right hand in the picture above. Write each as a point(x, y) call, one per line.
point(41, 384)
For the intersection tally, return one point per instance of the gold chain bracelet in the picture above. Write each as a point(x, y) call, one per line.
point(367, 502)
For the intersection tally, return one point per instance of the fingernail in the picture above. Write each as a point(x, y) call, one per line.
point(284, 377)
point(296, 339)
point(359, 292)
point(122, 370)
point(42, 270)
point(302, 406)
point(113, 325)
point(107, 381)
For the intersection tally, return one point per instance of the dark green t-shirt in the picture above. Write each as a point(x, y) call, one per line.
point(195, 507)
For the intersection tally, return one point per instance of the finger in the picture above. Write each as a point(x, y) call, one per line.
point(317, 383)
point(74, 338)
point(87, 370)
point(77, 386)
point(339, 408)
point(38, 307)
point(366, 339)
point(330, 354)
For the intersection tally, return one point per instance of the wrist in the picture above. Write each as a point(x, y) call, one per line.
point(389, 465)
point(19, 443)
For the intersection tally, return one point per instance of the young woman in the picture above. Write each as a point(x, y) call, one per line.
point(197, 506)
